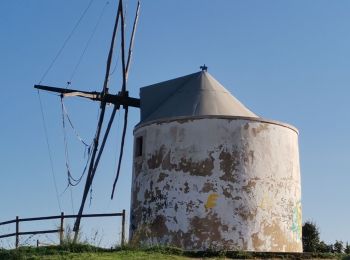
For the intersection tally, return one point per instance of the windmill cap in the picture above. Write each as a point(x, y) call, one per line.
point(197, 94)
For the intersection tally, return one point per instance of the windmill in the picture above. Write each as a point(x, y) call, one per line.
point(207, 174)
point(120, 100)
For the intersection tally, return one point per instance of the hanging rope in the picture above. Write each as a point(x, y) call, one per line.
point(65, 42)
point(65, 114)
point(71, 199)
point(115, 66)
point(49, 152)
point(25, 242)
point(70, 179)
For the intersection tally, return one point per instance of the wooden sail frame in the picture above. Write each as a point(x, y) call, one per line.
point(120, 100)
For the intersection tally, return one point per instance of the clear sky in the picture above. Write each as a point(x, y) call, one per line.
point(285, 60)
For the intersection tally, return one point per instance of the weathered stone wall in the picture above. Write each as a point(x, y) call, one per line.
point(217, 183)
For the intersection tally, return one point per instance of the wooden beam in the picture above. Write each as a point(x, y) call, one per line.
point(121, 99)
point(123, 229)
point(17, 231)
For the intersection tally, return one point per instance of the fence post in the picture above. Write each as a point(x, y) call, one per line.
point(61, 228)
point(17, 231)
point(123, 228)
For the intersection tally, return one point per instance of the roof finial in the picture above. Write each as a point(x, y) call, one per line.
point(203, 68)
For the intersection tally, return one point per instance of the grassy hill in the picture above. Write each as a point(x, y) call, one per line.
point(89, 252)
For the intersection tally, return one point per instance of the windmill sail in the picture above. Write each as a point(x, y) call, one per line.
point(121, 99)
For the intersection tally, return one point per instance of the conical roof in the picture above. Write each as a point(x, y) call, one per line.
point(197, 94)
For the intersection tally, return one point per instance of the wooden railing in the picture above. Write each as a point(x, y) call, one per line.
point(17, 234)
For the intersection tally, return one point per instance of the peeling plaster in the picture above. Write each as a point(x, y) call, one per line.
point(217, 183)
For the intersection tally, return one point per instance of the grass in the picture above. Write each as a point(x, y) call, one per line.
point(84, 251)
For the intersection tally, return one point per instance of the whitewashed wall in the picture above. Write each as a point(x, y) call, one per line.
point(217, 183)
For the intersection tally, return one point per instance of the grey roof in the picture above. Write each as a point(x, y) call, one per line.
point(197, 94)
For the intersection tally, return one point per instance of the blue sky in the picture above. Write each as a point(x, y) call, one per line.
point(285, 60)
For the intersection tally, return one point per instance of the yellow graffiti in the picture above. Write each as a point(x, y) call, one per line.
point(211, 201)
point(266, 202)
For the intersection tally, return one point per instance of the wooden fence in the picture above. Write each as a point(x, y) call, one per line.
point(17, 234)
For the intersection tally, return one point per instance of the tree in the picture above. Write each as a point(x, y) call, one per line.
point(311, 237)
point(324, 248)
point(338, 247)
point(347, 248)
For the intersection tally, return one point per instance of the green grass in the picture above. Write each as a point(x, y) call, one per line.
point(89, 252)
point(100, 256)
point(83, 251)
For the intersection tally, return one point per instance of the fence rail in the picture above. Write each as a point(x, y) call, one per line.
point(17, 220)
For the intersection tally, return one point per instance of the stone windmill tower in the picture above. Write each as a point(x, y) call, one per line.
point(207, 172)
point(210, 174)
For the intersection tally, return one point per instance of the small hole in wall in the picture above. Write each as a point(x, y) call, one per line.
point(138, 146)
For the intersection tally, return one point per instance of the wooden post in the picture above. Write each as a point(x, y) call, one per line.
point(17, 231)
point(37, 243)
point(123, 228)
point(61, 228)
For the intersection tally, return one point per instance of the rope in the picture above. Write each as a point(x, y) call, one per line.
point(65, 42)
point(49, 239)
point(71, 200)
point(71, 180)
point(65, 113)
point(65, 141)
point(49, 152)
point(88, 43)
point(26, 241)
point(115, 66)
